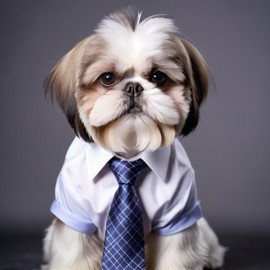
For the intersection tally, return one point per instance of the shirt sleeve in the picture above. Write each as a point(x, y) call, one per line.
point(186, 209)
point(69, 209)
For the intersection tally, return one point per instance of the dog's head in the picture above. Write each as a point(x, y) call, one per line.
point(132, 85)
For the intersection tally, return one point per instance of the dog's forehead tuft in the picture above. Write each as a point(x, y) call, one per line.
point(126, 17)
point(131, 21)
point(132, 39)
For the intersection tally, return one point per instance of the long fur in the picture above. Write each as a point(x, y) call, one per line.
point(131, 49)
point(131, 55)
point(192, 249)
point(65, 249)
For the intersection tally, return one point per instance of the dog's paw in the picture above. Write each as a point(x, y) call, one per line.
point(216, 257)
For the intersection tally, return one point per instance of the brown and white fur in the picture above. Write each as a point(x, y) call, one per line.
point(91, 84)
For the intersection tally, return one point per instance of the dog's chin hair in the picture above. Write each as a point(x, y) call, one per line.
point(132, 134)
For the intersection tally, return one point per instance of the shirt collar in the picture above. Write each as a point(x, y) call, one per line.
point(97, 157)
point(157, 161)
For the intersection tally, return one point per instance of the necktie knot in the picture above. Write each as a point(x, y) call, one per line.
point(126, 172)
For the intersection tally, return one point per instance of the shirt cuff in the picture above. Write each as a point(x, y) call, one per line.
point(71, 220)
point(181, 222)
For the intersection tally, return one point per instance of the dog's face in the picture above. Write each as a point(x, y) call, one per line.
point(133, 85)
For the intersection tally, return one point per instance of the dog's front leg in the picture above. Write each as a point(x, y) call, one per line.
point(183, 251)
point(66, 249)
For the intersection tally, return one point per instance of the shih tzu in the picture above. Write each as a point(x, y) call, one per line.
point(130, 90)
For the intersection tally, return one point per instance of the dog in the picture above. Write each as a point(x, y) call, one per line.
point(131, 89)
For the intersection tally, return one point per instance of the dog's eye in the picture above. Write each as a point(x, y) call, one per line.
point(107, 79)
point(158, 77)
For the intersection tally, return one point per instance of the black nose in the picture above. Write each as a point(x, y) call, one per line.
point(133, 89)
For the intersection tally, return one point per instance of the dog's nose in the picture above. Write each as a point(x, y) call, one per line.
point(133, 89)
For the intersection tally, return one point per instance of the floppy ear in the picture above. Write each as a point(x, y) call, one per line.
point(60, 85)
point(198, 79)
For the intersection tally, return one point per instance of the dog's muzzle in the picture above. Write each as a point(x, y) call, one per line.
point(133, 91)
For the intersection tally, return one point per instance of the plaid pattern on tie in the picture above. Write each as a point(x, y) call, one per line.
point(124, 239)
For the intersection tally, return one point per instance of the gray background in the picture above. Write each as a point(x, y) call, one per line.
point(229, 150)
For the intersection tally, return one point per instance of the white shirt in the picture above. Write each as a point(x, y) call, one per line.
point(166, 189)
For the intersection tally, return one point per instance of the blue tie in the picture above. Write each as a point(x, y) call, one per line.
point(124, 239)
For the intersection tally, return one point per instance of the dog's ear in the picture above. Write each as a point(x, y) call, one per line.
point(198, 75)
point(60, 86)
